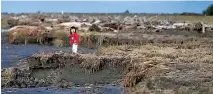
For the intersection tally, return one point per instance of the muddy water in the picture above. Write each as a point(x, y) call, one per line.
point(11, 54)
point(81, 77)
point(77, 90)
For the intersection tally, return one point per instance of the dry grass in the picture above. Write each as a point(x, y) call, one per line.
point(150, 59)
point(91, 64)
point(58, 43)
point(62, 38)
point(191, 19)
point(151, 51)
point(4, 23)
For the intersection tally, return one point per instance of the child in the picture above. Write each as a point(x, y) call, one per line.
point(74, 39)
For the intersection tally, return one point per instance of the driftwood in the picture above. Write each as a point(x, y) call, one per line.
point(111, 25)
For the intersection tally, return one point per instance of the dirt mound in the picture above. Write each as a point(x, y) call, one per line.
point(14, 77)
point(198, 27)
point(94, 28)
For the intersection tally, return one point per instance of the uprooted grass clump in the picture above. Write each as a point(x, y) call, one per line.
point(92, 64)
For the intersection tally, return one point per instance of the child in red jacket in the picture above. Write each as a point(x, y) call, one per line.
point(74, 39)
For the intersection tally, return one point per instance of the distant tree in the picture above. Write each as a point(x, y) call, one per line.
point(204, 12)
point(4, 13)
point(126, 12)
point(190, 14)
point(209, 11)
point(38, 12)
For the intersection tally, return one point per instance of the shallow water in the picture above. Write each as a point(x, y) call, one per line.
point(11, 53)
point(76, 90)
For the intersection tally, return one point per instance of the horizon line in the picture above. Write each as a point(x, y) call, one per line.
point(103, 12)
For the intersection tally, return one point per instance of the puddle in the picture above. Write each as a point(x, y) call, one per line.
point(81, 77)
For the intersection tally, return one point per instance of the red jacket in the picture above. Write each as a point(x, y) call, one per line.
point(74, 39)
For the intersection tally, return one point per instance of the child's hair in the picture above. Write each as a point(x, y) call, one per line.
point(71, 29)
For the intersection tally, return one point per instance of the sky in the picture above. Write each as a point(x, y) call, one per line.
point(105, 6)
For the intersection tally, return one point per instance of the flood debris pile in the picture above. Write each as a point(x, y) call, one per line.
point(99, 23)
point(17, 78)
point(86, 61)
point(115, 22)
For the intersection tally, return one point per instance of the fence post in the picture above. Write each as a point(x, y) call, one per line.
point(203, 28)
